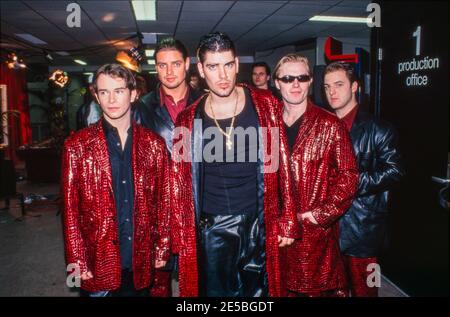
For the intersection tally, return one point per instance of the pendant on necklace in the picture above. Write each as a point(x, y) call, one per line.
point(229, 143)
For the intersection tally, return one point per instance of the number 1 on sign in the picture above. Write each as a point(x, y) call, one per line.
point(416, 34)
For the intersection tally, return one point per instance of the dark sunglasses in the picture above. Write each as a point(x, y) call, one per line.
point(288, 79)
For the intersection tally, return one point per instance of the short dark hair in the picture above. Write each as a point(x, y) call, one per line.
point(348, 69)
point(115, 70)
point(261, 64)
point(170, 43)
point(214, 42)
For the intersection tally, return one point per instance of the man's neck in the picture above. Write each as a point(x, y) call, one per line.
point(177, 93)
point(292, 112)
point(266, 86)
point(122, 125)
point(224, 107)
point(342, 112)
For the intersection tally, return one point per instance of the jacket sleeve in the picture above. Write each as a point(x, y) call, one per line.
point(73, 240)
point(288, 223)
point(343, 183)
point(164, 204)
point(388, 169)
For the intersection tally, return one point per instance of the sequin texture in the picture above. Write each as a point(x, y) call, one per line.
point(279, 207)
point(325, 178)
point(89, 212)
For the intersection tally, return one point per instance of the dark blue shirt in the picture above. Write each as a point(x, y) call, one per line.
point(122, 178)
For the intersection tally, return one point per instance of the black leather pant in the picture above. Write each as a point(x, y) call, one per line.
point(232, 256)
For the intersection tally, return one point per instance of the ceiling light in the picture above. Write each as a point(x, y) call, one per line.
point(14, 62)
point(151, 61)
point(327, 18)
point(63, 53)
point(149, 38)
point(149, 53)
point(144, 10)
point(79, 61)
point(30, 38)
point(109, 17)
point(90, 76)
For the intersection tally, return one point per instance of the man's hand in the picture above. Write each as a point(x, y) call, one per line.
point(86, 276)
point(284, 241)
point(159, 264)
point(308, 215)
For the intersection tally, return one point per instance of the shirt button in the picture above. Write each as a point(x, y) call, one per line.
point(125, 201)
point(127, 220)
point(129, 238)
point(118, 144)
point(124, 182)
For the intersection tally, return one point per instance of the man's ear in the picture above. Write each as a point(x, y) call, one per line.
point(200, 70)
point(94, 93)
point(277, 84)
point(187, 62)
point(354, 87)
point(133, 95)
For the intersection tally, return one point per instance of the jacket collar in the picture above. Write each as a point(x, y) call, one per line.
point(306, 126)
point(360, 119)
point(100, 148)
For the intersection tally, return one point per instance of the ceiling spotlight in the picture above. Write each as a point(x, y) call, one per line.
point(13, 62)
point(130, 58)
point(79, 61)
point(48, 56)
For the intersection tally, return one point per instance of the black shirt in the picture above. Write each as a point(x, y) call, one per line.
point(122, 178)
point(292, 132)
point(230, 183)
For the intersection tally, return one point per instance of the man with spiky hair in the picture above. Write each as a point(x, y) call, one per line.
point(232, 217)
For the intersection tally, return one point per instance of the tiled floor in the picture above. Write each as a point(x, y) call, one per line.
point(32, 250)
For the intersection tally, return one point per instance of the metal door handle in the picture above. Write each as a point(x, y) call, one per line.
point(439, 180)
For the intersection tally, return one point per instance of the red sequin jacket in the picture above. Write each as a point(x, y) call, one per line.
point(89, 213)
point(279, 208)
point(325, 178)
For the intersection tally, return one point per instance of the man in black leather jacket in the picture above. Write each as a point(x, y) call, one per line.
point(158, 111)
point(363, 226)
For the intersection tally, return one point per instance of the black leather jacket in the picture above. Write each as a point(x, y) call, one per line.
point(148, 112)
point(363, 226)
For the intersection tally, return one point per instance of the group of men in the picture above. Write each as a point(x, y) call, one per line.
point(238, 192)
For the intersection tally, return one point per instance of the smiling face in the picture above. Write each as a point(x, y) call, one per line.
point(295, 93)
point(339, 91)
point(220, 71)
point(114, 97)
point(171, 68)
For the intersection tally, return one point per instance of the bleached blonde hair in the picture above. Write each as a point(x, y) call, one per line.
point(291, 58)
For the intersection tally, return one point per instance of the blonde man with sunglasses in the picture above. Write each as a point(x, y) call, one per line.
point(325, 178)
